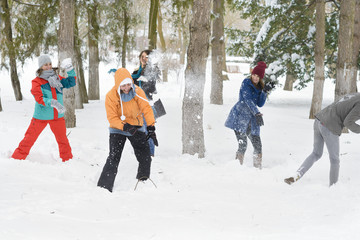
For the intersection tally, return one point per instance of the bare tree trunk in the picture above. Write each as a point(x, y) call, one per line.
point(183, 37)
point(319, 59)
point(344, 65)
point(152, 35)
point(0, 102)
point(94, 88)
point(217, 60)
point(163, 48)
point(289, 82)
point(10, 46)
point(125, 39)
point(195, 74)
point(356, 44)
point(66, 50)
point(182, 48)
point(80, 78)
point(224, 68)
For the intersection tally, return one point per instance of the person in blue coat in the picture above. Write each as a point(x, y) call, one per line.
point(245, 118)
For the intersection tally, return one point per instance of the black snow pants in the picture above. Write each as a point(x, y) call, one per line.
point(116, 144)
point(242, 141)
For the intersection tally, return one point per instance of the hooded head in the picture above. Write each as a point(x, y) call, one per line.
point(43, 59)
point(122, 76)
point(259, 69)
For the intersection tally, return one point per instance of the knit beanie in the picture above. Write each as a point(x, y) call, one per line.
point(259, 69)
point(43, 59)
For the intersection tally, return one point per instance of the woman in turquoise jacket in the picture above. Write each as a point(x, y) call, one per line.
point(49, 107)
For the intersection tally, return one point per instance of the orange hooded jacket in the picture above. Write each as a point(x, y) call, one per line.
point(133, 110)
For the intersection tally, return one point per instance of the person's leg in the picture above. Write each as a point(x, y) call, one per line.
point(58, 127)
point(257, 145)
point(333, 146)
point(242, 145)
point(35, 128)
point(142, 153)
point(116, 146)
point(317, 150)
point(242, 141)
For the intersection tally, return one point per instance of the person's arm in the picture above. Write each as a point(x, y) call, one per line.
point(262, 99)
point(145, 107)
point(68, 82)
point(112, 114)
point(245, 91)
point(351, 118)
point(38, 94)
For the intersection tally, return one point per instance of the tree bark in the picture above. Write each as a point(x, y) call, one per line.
point(319, 59)
point(0, 102)
point(6, 16)
point(217, 60)
point(356, 45)
point(289, 82)
point(66, 50)
point(225, 77)
point(80, 78)
point(163, 48)
point(93, 37)
point(152, 35)
point(195, 74)
point(344, 65)
point(125, 38)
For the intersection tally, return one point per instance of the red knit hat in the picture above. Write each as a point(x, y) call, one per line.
point(259, 69)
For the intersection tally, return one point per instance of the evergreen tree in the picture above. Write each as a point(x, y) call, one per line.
point(282, 35)
point(119, 15)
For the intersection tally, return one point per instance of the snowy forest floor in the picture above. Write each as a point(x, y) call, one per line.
point(209, 198)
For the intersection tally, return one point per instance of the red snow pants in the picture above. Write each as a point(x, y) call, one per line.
point(57, 126)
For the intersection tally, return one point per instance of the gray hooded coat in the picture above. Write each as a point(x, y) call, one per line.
point(343, 113)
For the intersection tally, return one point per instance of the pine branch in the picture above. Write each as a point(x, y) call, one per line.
point(28, 4)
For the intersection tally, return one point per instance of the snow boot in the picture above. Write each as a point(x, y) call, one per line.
point(291, 180)
point(240, 157)
point(257, 158)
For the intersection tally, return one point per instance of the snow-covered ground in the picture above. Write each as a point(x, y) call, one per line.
point(210, 198)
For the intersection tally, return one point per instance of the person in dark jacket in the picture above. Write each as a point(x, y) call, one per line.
point(147, 74)
point(49, 107)
point(146, 77)
point(328, 127)
point(245, 118)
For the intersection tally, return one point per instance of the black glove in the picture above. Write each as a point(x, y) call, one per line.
point(269, 86)
point(151, 134)
point(130, 128)
point(259, 119)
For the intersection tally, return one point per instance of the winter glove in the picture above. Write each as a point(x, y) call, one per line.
point(151, 134)
point(130, 128)
point(269, 86)
point(60, 108)
point(67, 65)
point(259, 119)
point(54, 82)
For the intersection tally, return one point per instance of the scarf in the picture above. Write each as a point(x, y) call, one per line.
point(50, 76)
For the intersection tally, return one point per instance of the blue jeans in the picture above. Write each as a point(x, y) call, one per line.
point(151, 142)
